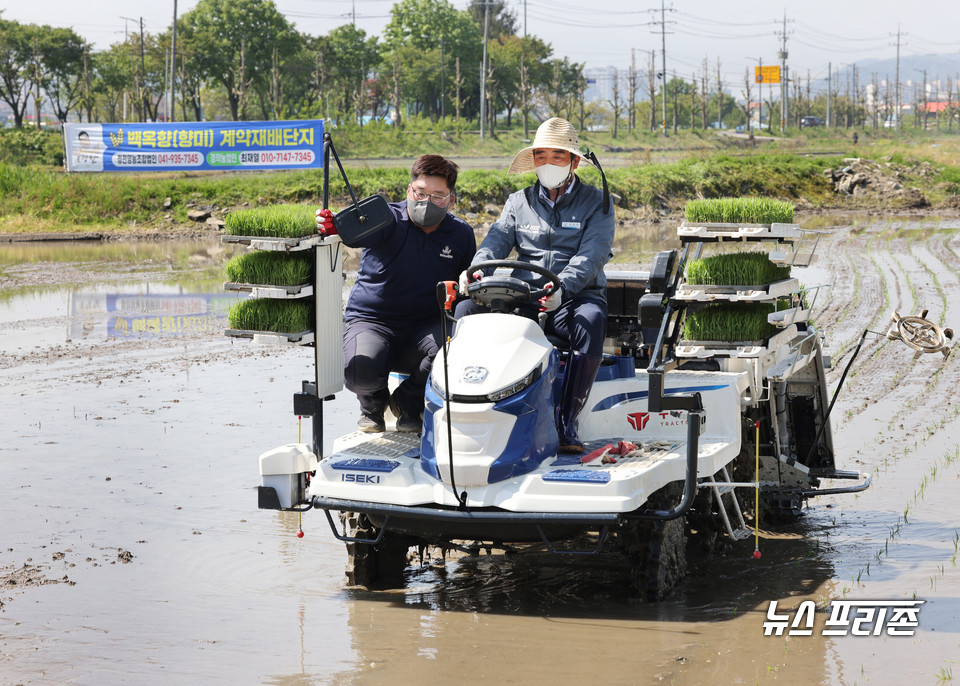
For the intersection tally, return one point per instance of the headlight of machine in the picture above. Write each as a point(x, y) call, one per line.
point(514, 388)
point(496, 396)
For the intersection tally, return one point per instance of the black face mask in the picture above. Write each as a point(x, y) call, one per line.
point(424, 213)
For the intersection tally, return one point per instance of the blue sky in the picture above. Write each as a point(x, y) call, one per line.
point(603, 32)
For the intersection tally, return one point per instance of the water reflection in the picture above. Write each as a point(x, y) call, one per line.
point(144, 314)
point(527, 615)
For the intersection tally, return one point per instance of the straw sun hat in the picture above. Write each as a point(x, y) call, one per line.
point(554, 133)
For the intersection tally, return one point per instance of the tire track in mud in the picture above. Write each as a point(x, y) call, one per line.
point(860, 287)
point(895, 404)
point(885, 369)
point(869, 291)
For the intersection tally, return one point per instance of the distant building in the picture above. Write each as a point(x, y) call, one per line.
point(599, 84)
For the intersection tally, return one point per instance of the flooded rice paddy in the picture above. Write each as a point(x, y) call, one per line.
point(132, 550)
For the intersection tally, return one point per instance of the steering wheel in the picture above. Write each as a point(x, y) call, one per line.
point(921, 334)
point(507, 293)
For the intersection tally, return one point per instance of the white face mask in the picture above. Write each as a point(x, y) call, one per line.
point(551, 176)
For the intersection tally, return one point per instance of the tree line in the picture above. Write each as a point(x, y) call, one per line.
point(243, 60)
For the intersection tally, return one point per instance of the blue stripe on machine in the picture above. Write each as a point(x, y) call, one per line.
point(588, 475)
point(366, 464)
point(620, 398)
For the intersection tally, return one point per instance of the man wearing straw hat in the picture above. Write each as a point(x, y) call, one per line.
point(566, 226)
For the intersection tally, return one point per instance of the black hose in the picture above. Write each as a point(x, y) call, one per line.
point(592, 157)
point(461, 497)
point(826, 417)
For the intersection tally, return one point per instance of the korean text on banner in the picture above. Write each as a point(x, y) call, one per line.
point(294, 144)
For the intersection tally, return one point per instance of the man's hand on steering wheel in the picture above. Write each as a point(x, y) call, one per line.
point(510, 291)
point(549, 303)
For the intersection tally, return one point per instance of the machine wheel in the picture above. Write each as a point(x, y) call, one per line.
point(705, 525)
point(379, 566)
point(657, 549)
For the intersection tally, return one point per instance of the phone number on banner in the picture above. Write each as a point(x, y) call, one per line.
point(157, 159)
point(277, 157)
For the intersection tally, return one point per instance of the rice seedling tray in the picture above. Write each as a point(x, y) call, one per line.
point(785, 318)
point(703, 232)
point(727, 293)
point(257, 290)
point(275, 243)
point(741, 349)
point(273, 337)
point(802, 350)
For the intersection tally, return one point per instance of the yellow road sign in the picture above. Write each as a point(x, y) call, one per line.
point(766, 74)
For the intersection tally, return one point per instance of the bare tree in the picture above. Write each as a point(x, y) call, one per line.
point(719, 95)
point(458, 84)
point(524, 95)
point(747, 93)
point(276, 91)
point(616, 105)
point(693, 98)
point(633, 81)
point(320, 79)
point(397, 92)
point(949, 107)
point(675, 104)
point(360, 97)
point(704, 94)
point(652, 89)
point(581, 100)
point(492, 85)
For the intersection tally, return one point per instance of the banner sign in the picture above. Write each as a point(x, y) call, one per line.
point(766, 74)
point(293, 144)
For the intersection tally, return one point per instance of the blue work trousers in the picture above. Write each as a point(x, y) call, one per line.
point(371, 350)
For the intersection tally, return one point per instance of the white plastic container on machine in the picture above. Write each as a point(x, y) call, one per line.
point(282, 468)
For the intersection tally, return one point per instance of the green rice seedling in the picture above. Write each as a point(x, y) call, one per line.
point(735, 269)
point(730, 322)
point(272, 268)
point(283, 316)
point(739, 211)
point(275, 221)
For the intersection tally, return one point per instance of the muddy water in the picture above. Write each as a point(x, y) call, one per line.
point(131, 548)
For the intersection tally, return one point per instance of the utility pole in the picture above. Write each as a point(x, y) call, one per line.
point(524, 18)
point(126, 27)
point(924, 99)
point(86, 80)
point(171, 116)
point(897, 77)
point(760, 97)
point(829, 90)
point(166, 83)
point(784, 77)
point(483, 70)
point(36, 80)
point(443, 83)
point(663, 61)
point(143, 74)
point(856, 95)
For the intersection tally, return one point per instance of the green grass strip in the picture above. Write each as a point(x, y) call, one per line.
point(272, 268)
point(730, 322)
point(282, 316)
point(276, 221)
point(739, 211)
point(735, 269)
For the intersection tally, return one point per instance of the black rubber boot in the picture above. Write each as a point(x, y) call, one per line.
point(581, 370)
